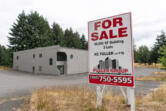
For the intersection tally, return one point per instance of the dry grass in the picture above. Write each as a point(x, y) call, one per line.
point(84, 99)
point(73, 99)
point(158, 76)
point(62, 99)
point(147, 65)
point(155, 101)
point(5, 68)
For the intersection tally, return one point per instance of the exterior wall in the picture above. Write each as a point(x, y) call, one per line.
point(77, 64)
point(26, 60)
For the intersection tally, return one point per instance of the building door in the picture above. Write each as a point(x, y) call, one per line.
point(33, 69)
point(61, 69)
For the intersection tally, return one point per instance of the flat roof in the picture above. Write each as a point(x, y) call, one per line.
point(46, 48)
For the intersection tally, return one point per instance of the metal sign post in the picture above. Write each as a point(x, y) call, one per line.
point(111, 55)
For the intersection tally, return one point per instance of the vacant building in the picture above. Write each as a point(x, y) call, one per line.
point(51, 60)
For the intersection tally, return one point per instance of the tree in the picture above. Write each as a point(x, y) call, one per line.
point(76, 40)
point(57, 34)
point(84, 43)
point(160, 41)
point(68, 34)
point(135, 54)
point(143, 54)
point(5, 56)
point(30, 31)
point(162, 58)
point(33, 30)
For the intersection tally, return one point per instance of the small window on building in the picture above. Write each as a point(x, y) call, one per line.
point(40, 55)
point(17, 57)
point(71, 56)
point(40, 68)
point(33, 69)
point(51, 61)
point(33, 55)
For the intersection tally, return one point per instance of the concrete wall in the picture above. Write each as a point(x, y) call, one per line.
point(26, 60)
point(77, 64)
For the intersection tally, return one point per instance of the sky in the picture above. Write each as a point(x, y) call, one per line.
point(148, 16)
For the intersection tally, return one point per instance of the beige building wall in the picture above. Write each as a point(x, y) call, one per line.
point(77, 60)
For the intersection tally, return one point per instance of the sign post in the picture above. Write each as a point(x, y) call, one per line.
point(111, 53)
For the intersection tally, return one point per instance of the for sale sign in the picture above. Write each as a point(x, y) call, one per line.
point(110, 51)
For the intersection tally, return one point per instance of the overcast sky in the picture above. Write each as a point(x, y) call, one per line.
point(148, 16)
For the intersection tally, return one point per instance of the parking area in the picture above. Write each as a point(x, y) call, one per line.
point(13, 83)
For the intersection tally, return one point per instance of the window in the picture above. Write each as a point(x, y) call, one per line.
point(33, 69)
point(61, 56)
point(40, 55)
point(17, 57)
point(71, 56)
point(33, 55)
point(51, 61)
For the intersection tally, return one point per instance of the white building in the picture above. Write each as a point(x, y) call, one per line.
point(51, 60)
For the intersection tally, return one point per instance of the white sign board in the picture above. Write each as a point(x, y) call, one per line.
point(110, 51)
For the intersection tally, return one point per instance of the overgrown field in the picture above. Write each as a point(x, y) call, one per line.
point(147, 65)
point(84, 99)
point(4, 68)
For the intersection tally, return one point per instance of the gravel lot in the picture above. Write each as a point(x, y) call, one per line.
point(16, 84)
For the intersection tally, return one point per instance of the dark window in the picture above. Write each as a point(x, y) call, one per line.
point(71, 56)
point(17, 57)
point(33, 69)
point(51, 61)
point(33, 55)
point(40, 55)
point(61, 56)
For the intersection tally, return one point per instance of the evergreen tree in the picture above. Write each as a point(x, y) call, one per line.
point(143, 54)
point(73, 40)
point(5, 56)
point(30, 31)
point(135, 54)
point(68, 41)
point(57, 34)
point(162, 58)
point(160, 41)
point(33, 30)
point(76, 40)
point(84, 43)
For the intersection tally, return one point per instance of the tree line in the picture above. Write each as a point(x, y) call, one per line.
point(33, 30)
point(6, 56)
point(157, 54)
